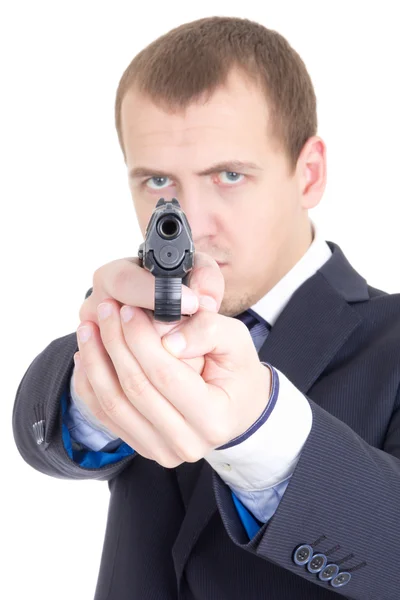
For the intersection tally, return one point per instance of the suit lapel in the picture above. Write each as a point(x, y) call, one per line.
point(309, 332)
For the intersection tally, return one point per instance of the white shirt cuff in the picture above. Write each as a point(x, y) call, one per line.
point(271, 453)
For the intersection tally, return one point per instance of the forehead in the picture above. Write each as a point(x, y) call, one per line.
point(235, 115)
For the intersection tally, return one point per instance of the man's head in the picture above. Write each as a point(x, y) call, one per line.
point(219, 91)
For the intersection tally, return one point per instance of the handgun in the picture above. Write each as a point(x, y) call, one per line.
point(168, 253)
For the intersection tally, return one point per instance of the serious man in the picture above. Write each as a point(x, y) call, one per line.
point(258, 457)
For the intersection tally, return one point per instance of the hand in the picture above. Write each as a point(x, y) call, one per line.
point(183, 415)
point(126, 282)
point(126, 279)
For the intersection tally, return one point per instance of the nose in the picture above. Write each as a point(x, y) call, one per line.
point(201, 216)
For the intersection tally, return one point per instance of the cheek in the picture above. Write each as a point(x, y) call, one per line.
point(143, 214)
point(258, 248)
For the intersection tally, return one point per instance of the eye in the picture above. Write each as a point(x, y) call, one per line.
point(232, 176)
point(157, 180)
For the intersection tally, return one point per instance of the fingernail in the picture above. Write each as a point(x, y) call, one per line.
point(127, 313)
point(208, 302)
point(104, 310)
point(77, 361)
point(84, 334)
point(176, 342)
point(189, 304)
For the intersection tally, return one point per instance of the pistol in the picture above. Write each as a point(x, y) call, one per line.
point(168, 253)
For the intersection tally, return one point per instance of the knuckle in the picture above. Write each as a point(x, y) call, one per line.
point(169, 462)
point(189, 454)
point(87, 312)
point(164, 455)
point(134, 384)
point(100, 414)
point(97, 276)
point(122, 277)
point(216, 436)
point(207, 322)
point(211, 325)
point(84, 312)
point(108, 335)
point(108, 406)
point(164, 375)
point(89, 361)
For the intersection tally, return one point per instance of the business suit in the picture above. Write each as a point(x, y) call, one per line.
point(175, 533)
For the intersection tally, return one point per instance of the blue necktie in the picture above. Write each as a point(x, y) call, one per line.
point(259, 328)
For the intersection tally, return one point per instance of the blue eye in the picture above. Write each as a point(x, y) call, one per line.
point(234, 174)
point(158, 179)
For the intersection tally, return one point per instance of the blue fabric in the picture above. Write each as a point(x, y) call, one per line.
point(250, 523)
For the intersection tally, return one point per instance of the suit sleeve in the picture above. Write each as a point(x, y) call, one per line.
point(40, 433)
point(338, 522)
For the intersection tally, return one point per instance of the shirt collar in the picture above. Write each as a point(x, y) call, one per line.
point(270, 306)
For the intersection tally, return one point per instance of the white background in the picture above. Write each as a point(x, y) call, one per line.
point(66, 208)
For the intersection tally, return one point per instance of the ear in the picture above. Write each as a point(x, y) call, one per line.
point(311, 168)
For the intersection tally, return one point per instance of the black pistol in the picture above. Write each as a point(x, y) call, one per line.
point(168, 253)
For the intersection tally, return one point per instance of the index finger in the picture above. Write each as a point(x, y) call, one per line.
point(125, 281)
point(205, 278)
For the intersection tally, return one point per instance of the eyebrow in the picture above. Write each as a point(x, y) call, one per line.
point(231, 165)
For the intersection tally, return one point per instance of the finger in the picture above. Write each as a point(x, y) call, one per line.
point(116, 412)
point(232, 366)
point(176, 381)
point(212, 334)
point(141, 393)
point(132, 284)
point(82, 386)
point(92, 407)
point(125, 281)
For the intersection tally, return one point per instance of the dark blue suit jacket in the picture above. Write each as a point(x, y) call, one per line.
point(176, 534)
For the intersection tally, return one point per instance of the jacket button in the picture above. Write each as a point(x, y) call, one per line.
point(38, 431)
point(302, 554)
point(341, 579)
point(317, 563)
point(329, 572)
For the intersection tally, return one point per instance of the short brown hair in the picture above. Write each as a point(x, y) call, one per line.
point(196, 58)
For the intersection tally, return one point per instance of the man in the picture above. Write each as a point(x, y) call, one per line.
point(300, 496)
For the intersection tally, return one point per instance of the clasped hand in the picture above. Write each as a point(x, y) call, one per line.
point(159, 404)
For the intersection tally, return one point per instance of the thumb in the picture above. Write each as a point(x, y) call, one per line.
point(222, 338)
